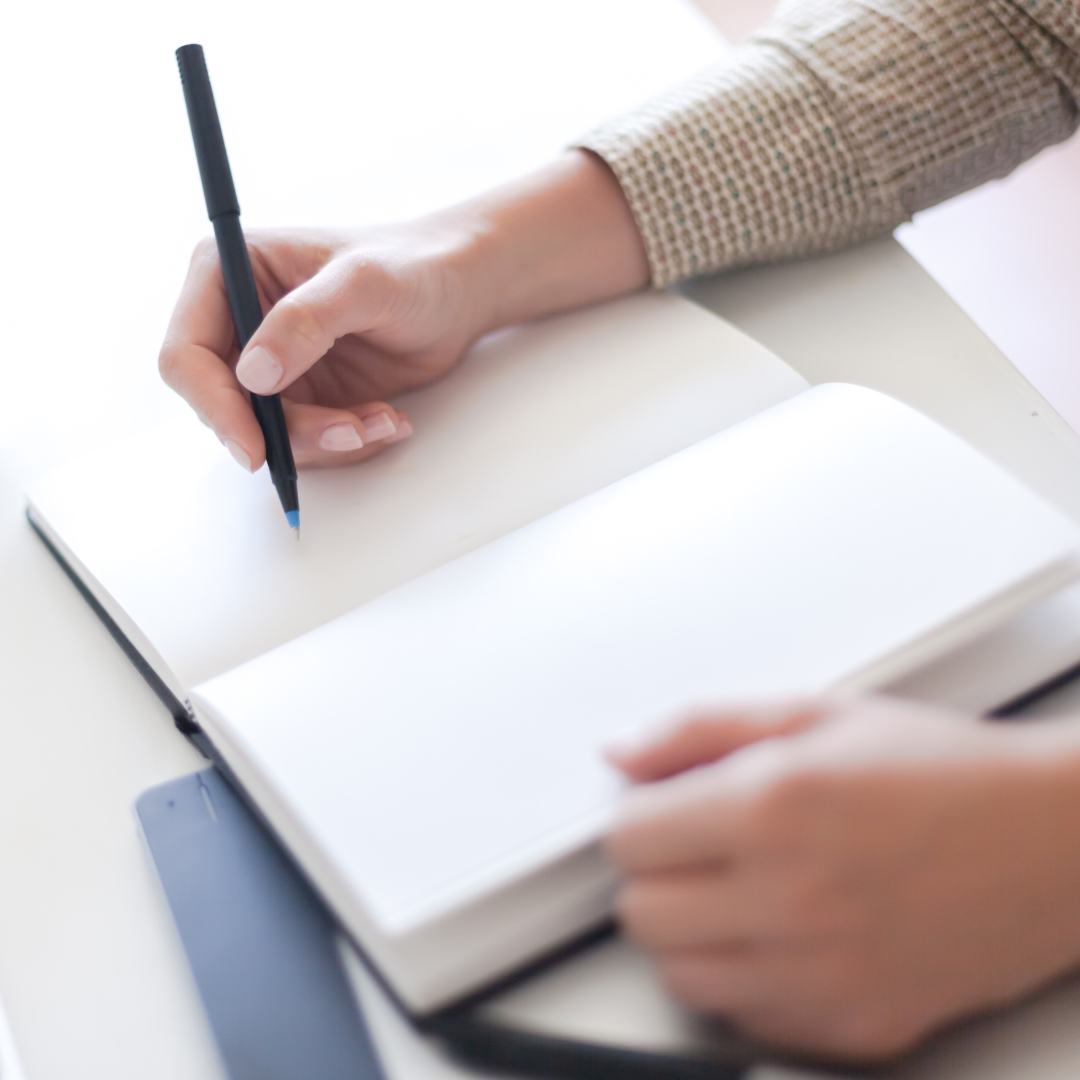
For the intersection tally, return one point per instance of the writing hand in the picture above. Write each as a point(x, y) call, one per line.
point(844, 876)
point(354, 316)
point(351, 317)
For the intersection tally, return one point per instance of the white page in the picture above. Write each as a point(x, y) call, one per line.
point(444, 740)
point(196, 555)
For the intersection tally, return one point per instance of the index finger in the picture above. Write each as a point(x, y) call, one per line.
point(194, 359)
point(708, 737)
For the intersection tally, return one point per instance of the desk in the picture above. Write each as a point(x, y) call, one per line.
point(92, 974)
point(93, 978)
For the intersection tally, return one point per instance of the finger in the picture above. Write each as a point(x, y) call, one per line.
point(710, 907)
point(194, 355)
point(688, 822)
point(211, 389)
point(707, 738)
point(766, 993)
point(764, 902)
point(324, 437)
point(729, 980)
point(302, 326)
point(201, 316)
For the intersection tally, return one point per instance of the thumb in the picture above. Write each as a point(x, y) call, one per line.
point(302, 326)
point(707, 738)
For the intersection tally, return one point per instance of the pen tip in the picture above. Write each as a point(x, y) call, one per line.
point(293, 518)
point(296, 531)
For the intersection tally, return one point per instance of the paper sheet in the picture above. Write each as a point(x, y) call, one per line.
point(438, 745)
point(197, 556)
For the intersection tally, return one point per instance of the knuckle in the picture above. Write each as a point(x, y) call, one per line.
point(788, 806)
point(299, 320)
point(363, 270)
point(383, 288)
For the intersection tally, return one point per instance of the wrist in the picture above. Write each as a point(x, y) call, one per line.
point(1039, 792)
point(558, 238)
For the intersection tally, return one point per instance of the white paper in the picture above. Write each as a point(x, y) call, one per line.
point(444, 740)
point(194, 558)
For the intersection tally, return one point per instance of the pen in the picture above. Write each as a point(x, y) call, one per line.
point(224, 211)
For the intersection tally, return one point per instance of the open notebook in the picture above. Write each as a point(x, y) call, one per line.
point(603, 519)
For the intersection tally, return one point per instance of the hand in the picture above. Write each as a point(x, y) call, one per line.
point(356, 316)
point(844, 876)
point(352, 317)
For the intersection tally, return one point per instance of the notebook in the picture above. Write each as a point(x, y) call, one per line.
point(603, 519)
point(192, 558)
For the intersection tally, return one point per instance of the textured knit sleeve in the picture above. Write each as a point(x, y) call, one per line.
point(838, 122)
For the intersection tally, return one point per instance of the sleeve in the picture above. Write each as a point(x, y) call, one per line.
point(838, 122)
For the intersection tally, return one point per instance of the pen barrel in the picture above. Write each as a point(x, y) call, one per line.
point(202, 113)
point(239, 280)
point(246, 316)
point(279, 458)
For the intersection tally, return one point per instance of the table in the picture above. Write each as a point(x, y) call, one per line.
point(90, 970)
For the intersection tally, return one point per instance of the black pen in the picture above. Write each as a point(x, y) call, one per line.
point(224, 211)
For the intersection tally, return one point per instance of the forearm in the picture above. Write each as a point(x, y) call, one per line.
point(839, 122)
point(1029, 840)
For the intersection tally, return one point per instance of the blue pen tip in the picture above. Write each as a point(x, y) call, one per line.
point(293, 518)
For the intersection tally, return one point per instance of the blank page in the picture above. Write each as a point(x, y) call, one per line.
point(445, 739)
point(194, 558)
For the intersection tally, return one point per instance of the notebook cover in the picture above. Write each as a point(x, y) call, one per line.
point(260, 944)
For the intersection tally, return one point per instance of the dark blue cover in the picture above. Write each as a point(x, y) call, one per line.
point(260, 943)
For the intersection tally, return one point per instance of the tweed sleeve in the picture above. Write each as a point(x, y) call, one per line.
point(838, 122)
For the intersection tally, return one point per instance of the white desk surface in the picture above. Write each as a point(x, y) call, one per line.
point(91, 975)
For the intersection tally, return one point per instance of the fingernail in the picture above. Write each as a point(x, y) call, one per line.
point(259, 371)
point(341, 437)
point(378, 426)
point(404, 430)
point(238, 454)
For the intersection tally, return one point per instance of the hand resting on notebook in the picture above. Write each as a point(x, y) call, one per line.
point(846, 876)
point(357, 315)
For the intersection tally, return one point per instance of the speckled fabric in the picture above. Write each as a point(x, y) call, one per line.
point(838, 122)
